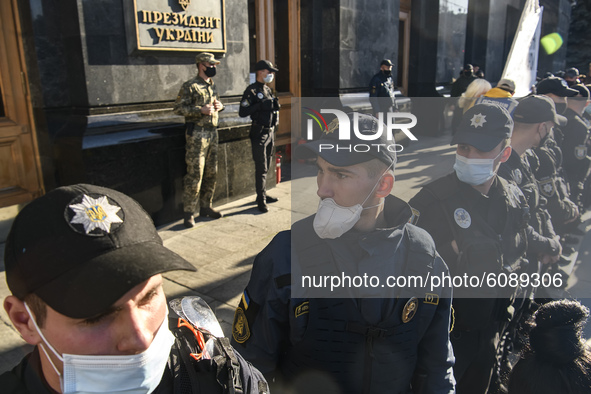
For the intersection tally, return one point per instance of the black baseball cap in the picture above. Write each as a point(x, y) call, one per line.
point(571, 72)
point(80, 248)
point(582, 92)
point(484, 126)
point(343, 153)
point(555, 85)
point(537, 109)
point(265, 65)
point(386, 62)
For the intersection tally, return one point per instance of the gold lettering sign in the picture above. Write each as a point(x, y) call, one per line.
point(192, 25)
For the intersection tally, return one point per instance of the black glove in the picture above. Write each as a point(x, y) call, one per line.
point(276, 104)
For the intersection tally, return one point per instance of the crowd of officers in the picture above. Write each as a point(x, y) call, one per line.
point(548, 162)
point(511, 205)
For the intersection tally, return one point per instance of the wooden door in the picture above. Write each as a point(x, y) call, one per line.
point(19, 161)
point(403, 46)
point(278, 40)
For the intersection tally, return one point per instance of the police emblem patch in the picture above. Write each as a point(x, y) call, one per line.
point(410, 309)
point(478, 120)
point(518, 176)
point(547, 187)
point(260, 95)
point(240, 328)
point(580, 152)
point(245, 103)
point(94, 215)
point(462, 218)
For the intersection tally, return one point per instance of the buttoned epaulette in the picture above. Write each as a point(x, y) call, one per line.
point(420, 240)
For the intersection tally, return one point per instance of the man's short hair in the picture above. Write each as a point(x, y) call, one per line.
point(375, 168)
point(38, 307)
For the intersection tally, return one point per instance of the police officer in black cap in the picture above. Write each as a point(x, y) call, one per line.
point(461, 84)
point(382, 90)
point(84, 265)
point(534, 117)
point(262, 106)
point(479, 222)
point(574, 147)
point(571, 76)
point(370, 338)
point(548, 160)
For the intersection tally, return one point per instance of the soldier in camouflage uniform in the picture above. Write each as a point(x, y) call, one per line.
point(198, 102)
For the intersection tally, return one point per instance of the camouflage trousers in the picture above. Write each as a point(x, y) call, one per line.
point(201, 156)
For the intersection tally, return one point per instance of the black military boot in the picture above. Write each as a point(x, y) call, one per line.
point(210, 213)
point(189, 220)
point(262, 204)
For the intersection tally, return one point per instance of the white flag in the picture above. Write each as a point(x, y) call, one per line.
point(522, 64)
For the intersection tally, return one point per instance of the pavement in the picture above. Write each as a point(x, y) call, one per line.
point(223, 250)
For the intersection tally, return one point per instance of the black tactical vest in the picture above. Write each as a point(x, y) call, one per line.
point(334, 350)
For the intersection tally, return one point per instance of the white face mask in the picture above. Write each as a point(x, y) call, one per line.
point(137, 374)
point(269, 78)
point(474, 171)
point(333, 220)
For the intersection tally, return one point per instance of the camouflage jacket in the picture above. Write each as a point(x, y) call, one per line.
point(194, 94)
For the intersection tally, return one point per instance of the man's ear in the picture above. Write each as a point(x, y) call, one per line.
point(506, 154)
point(21, 320)
point(385, 185)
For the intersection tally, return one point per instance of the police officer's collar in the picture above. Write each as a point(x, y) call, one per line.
point(396, 213)
point(470, 192)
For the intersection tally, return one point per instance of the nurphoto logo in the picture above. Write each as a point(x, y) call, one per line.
point(342, 124)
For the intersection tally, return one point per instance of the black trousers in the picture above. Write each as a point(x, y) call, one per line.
point(262, 140)
point(475, 353)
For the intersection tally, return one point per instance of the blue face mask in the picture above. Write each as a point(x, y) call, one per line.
point(132, 374)
point(474, 171)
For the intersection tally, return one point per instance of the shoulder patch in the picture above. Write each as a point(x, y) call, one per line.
point(547, 187)
point(518, 176)
point(240, 328)
point(580, 152)
point(243, 317)
point(245, 103)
